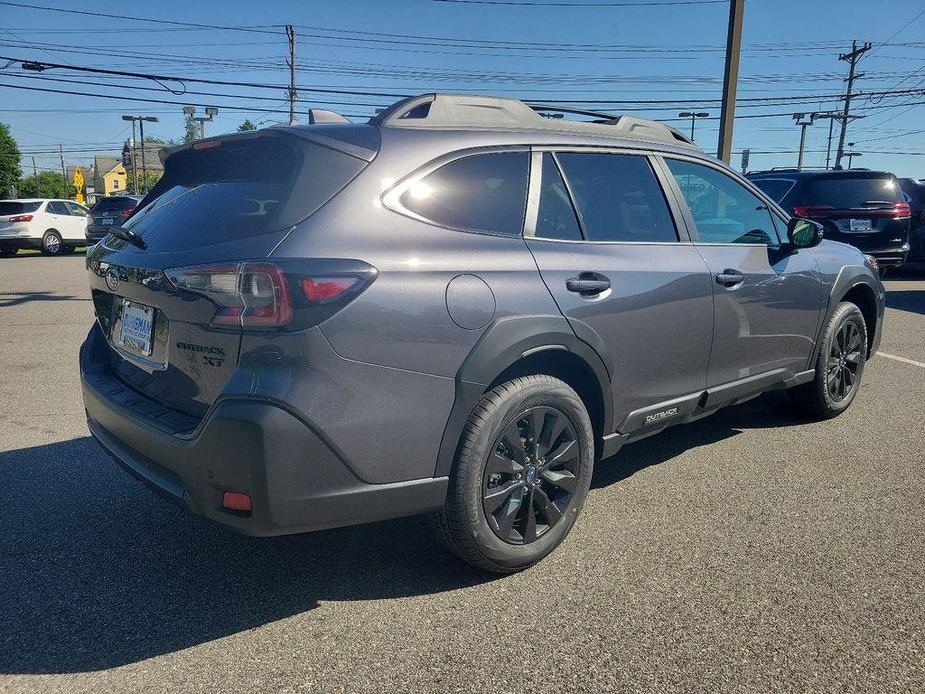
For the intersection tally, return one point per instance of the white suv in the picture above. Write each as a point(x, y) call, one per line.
point(52, 226)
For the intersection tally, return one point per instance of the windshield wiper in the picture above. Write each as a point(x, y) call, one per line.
point(130, 236)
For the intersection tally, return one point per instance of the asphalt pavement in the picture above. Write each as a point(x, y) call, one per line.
point(747, 552)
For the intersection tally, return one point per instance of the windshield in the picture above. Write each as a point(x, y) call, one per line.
point(238, 189)
point(8, 207)
point(848, 191)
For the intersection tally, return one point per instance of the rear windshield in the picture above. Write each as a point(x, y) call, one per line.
point(854, 190)
point(113, 205)
point(13, 207)
point(774, 188)
point(240, 189)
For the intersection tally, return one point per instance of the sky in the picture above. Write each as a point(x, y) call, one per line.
point(664, 51)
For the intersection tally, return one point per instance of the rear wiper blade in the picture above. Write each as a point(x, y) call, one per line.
point(877, 202)
point(128, 235)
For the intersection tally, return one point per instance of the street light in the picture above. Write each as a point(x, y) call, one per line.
point(144, 166)
point(211, 112)
point(803, 120)
point(693, 116)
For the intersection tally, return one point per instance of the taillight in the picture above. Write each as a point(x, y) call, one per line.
point(126, 213)
point(810, 211)
point(901, 210)
point(275, 295)
point(21, 218)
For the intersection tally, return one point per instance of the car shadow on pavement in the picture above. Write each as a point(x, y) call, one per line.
point(17, 298)
point(906, 300)
point(99, 572)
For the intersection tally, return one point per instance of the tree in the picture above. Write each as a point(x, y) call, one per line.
point(191, 129)
point(48, 184)
point(9, 162)
point(246, 125)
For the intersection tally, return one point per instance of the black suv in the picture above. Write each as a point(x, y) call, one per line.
point(109, 212)
point(915, 196)
point(866, 209)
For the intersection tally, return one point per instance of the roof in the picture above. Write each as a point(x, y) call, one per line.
point(794, 173)
point(470, 112)
point(104, 165)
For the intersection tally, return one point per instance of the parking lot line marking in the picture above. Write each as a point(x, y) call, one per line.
point(902, 359)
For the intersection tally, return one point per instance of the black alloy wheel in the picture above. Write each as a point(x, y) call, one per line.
point(530, 475)
point(844, 361)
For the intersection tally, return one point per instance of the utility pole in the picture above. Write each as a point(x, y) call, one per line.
point(141, 126)
point(803, 120)
point(35, 172)
point(730, 79)
point(134, 163)
point(290, 34)
point(852, 58)
point(63, 170)
point(693, 116)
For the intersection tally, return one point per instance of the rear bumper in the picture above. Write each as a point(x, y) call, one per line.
point(95, 233)
point(295, 481)
point(891, 257)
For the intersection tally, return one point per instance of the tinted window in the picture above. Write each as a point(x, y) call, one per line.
point(486, 192)
point(239, 189)
point(14, 207)
point(618, 197)
point(724, 210)
point(848, 190)
point(114, 204)
point(774, 188)
point(556, 217)
point(57, 207)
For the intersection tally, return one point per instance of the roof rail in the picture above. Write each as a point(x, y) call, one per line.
point(468, 111)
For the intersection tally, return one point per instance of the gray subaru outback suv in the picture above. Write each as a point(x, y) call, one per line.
point(455, 309)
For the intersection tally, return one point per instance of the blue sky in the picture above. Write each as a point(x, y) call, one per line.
point(625, 54)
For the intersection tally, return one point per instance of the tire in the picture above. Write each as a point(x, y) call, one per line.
point(51, 243)
point(8, 252)
point(487, 482)
point(843, 353)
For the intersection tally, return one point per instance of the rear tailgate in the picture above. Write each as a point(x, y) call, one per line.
point(863, 208)
point(233, 199)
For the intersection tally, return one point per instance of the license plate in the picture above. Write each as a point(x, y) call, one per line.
point(137, 327)
point(107, 222)
point(859, 224)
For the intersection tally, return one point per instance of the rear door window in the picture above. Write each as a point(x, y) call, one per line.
point(483, 192)
point(618, 197)
point(240, 189)
point(58, 207)
point(556, 216)
point(851, 190)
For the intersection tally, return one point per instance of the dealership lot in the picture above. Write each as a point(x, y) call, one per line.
point(748, 551)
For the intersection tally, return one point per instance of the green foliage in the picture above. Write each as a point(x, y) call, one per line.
point(246, 125)
point(48, 184)
point(152, 178)
point(9, 161)
point(191, 129)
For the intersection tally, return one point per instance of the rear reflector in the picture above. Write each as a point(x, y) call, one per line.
point(236, 501)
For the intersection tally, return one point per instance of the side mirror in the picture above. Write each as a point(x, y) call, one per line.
point(803, 233)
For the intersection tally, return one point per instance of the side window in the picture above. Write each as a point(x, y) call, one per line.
point(556, 217)
point(77, 210)
point(618, 197)
point(484, 192)
point(58, 207)
point(724, 210)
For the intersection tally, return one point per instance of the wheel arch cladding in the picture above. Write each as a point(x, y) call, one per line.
point(520, 346)
point(863, 296)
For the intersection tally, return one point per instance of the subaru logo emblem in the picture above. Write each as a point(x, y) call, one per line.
point(112, 279)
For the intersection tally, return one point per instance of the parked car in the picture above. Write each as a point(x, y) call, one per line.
point(52, 226)
point(109, 211)
point(459, 309)
point(863, 208)
point(915, 196)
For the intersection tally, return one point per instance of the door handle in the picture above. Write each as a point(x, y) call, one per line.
point(730, 278)
point(588, 284)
